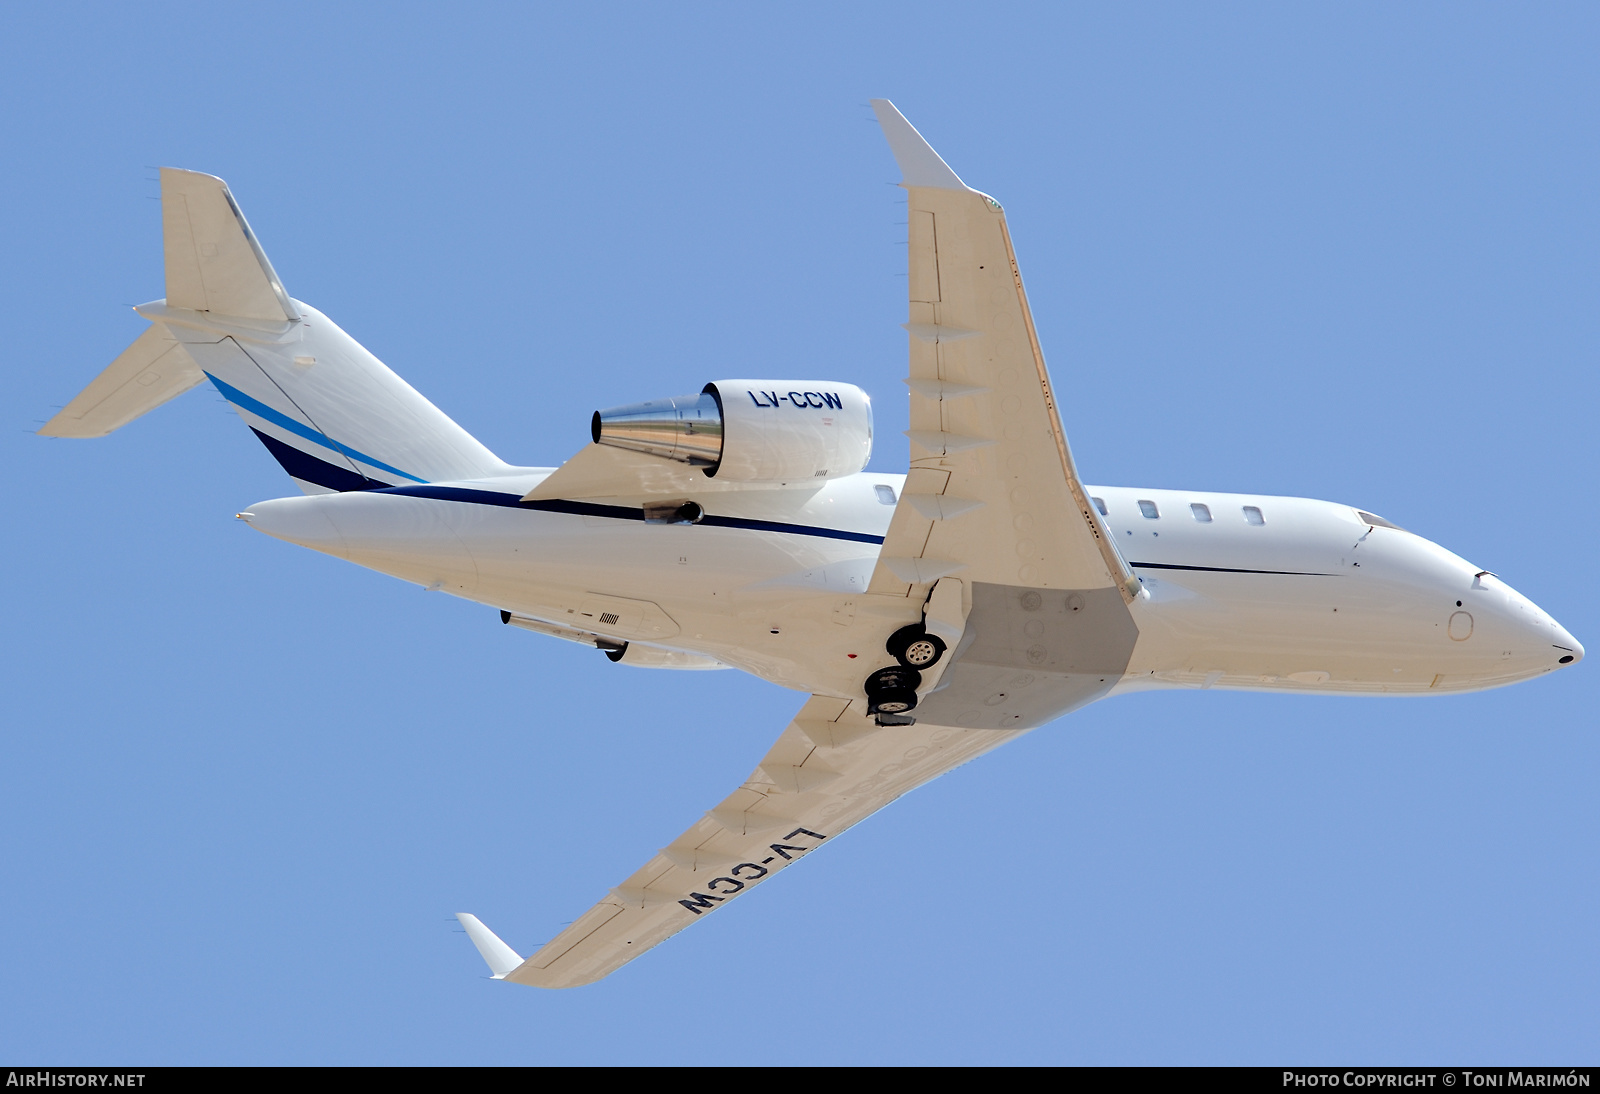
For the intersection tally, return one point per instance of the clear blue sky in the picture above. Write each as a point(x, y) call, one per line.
point(1341, 251)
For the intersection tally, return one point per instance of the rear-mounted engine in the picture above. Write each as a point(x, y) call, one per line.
point(758, 431)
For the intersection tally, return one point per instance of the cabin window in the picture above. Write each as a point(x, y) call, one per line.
point(1201, 511)
point(1376, 521)
point(1252, 515)
point(1148, 508)
point(1100, 505)
point(885, 493)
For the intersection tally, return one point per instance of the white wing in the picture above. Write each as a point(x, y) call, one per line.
point(993, 494)
point(993, 538)
point(993, 500)
point(833, 766)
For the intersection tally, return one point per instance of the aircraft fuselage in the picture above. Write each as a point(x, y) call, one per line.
point(1238, 591)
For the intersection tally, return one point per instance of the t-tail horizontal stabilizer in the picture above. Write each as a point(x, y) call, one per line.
point(501, 958)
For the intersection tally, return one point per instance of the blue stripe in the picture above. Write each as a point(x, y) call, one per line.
point(283, 421)
point(614, 512)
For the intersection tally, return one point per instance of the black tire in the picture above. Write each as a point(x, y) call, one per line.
point(892, 691)
point(893, 701)
point(915, 648)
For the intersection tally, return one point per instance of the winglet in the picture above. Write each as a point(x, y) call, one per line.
point(919, 164)
point(501, 958)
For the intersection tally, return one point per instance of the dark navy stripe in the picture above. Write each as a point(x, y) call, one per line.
point(283, 421)
point(614, 512)
point(458, 493)
point(778, 526)
point(306, 467)
point(1223, 569)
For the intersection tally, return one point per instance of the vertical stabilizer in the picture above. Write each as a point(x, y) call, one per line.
point(214, 262)
point(333, 415)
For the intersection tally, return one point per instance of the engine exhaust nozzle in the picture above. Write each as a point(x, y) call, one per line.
point(686, 428)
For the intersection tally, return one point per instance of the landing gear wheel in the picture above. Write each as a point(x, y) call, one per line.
point(915, 648)
point(892, 691)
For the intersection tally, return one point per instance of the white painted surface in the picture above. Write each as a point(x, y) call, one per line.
point(500, 958)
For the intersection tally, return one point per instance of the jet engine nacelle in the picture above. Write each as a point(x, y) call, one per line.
point(757, 431)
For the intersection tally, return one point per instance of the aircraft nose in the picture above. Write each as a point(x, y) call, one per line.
point(1541, 632)
point(1528, 640)
point(1570, 649)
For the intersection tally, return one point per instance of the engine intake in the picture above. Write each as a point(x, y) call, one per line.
point(758, 431)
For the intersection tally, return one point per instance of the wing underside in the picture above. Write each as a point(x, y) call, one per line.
point(992, 495)
point(993, 500)
point(832, 767)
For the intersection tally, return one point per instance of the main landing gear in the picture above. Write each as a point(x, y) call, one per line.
point(915, 648)
point(892, 692)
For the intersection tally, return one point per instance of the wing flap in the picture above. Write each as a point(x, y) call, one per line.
point(831, 768)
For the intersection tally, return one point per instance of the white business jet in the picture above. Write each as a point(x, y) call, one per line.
point(930, 616)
